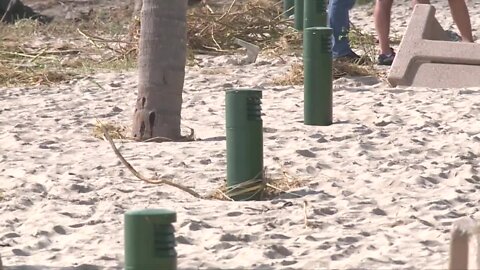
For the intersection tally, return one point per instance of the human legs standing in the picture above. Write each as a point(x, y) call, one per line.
point(461, 17)
point(338, 18)
point(381, 16)
point(382, 13)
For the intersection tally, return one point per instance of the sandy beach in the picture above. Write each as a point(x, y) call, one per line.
point(383, 184)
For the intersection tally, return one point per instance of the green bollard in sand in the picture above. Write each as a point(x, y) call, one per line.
point(150, 240)
point(314, 13)
point(244, 143)
point(288, 7)
point(317, 63)
point(299, 8)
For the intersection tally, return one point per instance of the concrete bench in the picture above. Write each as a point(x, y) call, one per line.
point(427, 57)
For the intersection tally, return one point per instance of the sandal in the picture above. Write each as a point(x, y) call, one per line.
point(386, 59)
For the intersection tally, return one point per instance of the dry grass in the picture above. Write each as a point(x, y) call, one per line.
point(258, 21)
point(266, 188)
point(212, 29)
point(364, 42)
point(115, 131)
point(359, 40)
point(118, 131)
point(35, 54)
point(32, 53)
point(294, 75)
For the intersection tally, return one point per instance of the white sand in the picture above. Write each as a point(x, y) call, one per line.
point(386, 180)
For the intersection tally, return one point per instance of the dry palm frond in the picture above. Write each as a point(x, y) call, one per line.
point(294, 76)
point(363, 41)
point(214, 29)
point(121, 132)
point(259, 22)
point(139, 175)
point(115, 131)
point(263, 188)
point(33, 54)
point(340, 69)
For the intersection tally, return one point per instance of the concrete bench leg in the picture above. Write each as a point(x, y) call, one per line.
point(426, 57)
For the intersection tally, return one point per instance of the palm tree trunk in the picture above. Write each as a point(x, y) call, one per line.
point(161, 65)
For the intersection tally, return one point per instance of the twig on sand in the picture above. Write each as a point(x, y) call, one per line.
point(305, 216)
point(38, 55)
point(229, 9)
point(140, 176)
point(224, 195)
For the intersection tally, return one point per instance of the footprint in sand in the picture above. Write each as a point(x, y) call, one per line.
point(278, 236)
point(345, 253)
point(277, 252)
point(325, 245)
point(42, 244)
point(306, 153)
point(223, 246)
point(228, 237)
point(234, 214)
point(9, 235)
point(473, 180)
point(194, 225)
point(269, 130)
point(379, 212)
point(348, 240)
point(341, 138)
point(440, 205)
point(20, 252)
point(450, 215)
point(60, 230)
point(81, 188)
point(362, 130)
point(184, 240)
point(37, 188)
point(288, 262)
point(431, 243)
point(427, 181)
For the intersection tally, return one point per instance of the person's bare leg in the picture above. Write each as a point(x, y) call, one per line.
point(381, 15)
point(461, 17)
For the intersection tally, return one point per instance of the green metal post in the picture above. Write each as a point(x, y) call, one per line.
point(288, 7)
point(244, 140)
point(317, 64)
point(315, 13)
point(299, 14)
point(150, 240)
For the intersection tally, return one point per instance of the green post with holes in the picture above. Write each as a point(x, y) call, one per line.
point(150, 239)
point(288, 7)
point(314, 13)
point(298, 11)
point(244, 128)
point(317, 62)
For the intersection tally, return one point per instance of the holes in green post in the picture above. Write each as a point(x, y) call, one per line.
point(254, 109)
point(325, 44)
point(164, 240)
